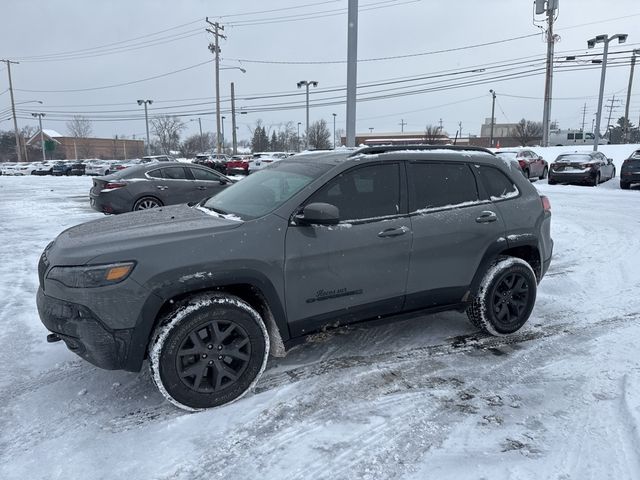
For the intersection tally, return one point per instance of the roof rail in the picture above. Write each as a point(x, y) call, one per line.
point(396, 148)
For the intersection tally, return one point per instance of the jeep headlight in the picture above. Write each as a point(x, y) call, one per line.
point(92, 275)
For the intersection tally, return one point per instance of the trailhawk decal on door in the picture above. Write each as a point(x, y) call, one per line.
point(331, 294)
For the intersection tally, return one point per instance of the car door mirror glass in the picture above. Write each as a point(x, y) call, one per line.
point(319, 213)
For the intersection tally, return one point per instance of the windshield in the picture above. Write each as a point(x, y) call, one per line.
point(265, 190)
point(574, 159)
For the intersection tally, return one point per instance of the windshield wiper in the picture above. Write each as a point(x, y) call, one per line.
point(213, 209)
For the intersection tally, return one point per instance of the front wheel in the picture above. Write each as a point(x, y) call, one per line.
point(505, 297)
point(596, 180)
point(625, 185)
point(209, 352)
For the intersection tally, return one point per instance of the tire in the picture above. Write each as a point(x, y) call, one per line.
point(216, 323)
point(596, 180)
point(613, 175)
point(551, 182)
point(625, 185)
point(106, 172)
point(526, 173)
point(545, 172)
point(505, 298)
point(146, 203)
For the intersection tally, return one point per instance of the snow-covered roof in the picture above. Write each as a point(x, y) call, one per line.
point(51, 133)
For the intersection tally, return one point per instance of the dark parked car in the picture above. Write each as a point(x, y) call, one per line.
point(213, 160)
point(532, 164)
point(154, 185)
point(589, 168)
point(316, 240)
point(77, 168)
point(61, 168)
point(630, 171)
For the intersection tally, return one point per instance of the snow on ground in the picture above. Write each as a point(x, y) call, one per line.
point(421, 398)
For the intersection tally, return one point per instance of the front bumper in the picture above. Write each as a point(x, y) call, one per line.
point(84, 333)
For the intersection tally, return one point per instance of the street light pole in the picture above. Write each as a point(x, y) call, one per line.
point(334, 130)
point(622, 37)
point(626, 108)
point(493, 109)
point(298, 142)
point(306, 84)
point(40, 115)
point(146, 121)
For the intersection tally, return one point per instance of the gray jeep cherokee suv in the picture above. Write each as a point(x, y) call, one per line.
point(206, 292)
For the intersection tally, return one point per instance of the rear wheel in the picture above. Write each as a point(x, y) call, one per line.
point(624, 185)
point(505, 298)
point(146, 203)
point(544, 173)
point(209, 352)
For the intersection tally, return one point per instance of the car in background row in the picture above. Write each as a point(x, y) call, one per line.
point(238, 164)
point(630, 171)
point(215, 161)
point(61, 168)
point(98, 167)
point(157, 158)
point(591, 168)
point(532, 164)
point(154, 185)
point(43, 168)
point(259, 160)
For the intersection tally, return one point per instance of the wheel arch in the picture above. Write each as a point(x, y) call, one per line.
point(256, 290)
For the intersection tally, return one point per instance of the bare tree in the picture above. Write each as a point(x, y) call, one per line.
point(526, 131)
point(80, 128)
point(167, 129)
point(196, 144)
point(432, 134)
point(319, 135)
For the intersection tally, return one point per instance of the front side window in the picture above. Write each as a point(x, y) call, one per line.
point(363, 193)
point(200, 174)
point(436, 185)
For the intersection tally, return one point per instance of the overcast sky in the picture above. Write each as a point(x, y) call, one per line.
point(70, 50)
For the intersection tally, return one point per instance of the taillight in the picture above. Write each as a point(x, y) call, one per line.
point(546, 204)
point(113, 186)
point(587, 165)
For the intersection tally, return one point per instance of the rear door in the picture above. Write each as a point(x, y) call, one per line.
point(452, 230)
point(358, 268)
point(170, 184)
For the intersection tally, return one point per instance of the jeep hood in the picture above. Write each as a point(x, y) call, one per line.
point(124, 233)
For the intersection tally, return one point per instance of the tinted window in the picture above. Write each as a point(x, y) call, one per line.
point(578, 136)
point(175, 173)
point(155, 173)
point(496, 183)
point(366, 192)
point(200, 174)
point(436, 185)
point(569, 136)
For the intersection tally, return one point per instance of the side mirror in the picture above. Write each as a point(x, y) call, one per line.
point(319, 214)
point(223, 181)
point(610, 160)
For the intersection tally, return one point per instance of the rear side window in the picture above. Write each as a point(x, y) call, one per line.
point(174, 173)
point(496, 183)
point(155, 173)
point(435, 185)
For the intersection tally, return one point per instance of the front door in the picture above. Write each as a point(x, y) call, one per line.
point(358, 268)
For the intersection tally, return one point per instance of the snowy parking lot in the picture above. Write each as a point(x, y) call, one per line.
point(423, 397)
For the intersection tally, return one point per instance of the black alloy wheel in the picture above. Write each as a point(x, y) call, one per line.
point(213, 356)
point(509, 301)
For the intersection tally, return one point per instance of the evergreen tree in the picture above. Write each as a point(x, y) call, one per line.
point(274, 142)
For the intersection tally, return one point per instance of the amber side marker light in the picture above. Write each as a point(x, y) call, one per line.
point(117, 273)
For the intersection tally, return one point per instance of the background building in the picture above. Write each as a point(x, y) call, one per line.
point(57, 146)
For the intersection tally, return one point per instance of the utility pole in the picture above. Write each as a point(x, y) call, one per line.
point(334, 130)
point(352, 71)
point(215, 49)
point(200, 128)
point(584, 114)
point(626, 108)
point(493, 109)
point(40, 115)
point(233, 120)
point(610, 108)
point(13, 110)
point(460, 128)
point(222, 118)
point(402, 124)
point(551, 7)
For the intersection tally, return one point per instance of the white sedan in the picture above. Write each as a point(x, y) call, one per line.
point(99, 168)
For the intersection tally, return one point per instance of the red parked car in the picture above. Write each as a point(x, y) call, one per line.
point(238, 164)
point(532, 165)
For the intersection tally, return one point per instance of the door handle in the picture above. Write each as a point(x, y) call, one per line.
point(201, 188)
point(162, 187)
point(393, 232)
point(487, 217)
